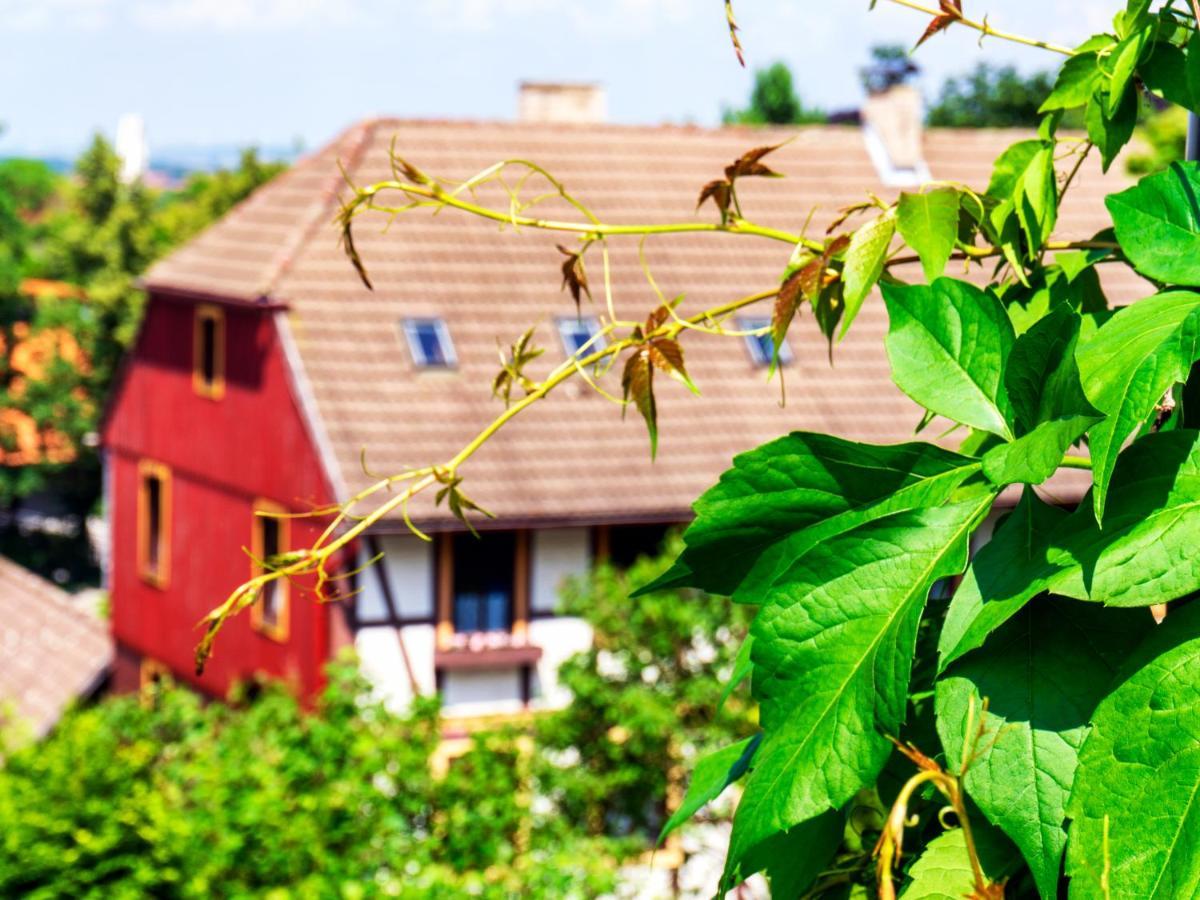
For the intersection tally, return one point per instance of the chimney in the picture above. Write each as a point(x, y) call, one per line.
point(546, 101)
point(892, 129)
point(132, 148)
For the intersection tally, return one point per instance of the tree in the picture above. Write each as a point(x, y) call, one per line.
point(165, 795)
point(773, 101)
point(993, 97)
point(97, 235)
point(643, 697)
point(1054, 718)
point(891, 65)
point(1163, 139)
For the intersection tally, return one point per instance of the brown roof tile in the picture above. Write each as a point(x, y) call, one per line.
point(51, 650)
point(572, 456)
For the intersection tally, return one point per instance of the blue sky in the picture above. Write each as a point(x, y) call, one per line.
point(213, 72)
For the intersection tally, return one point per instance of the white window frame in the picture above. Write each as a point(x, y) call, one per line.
point(410, 326)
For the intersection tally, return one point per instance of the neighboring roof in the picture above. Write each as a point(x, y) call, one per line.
point(571, 457)
point(52, 650)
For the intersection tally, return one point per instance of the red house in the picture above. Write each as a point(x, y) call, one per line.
point(265, 371)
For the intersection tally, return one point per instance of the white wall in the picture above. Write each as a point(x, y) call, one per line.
point(481, 692)
point(408, 564)
point(557, 554)
point(381, 658)
point(560, 637)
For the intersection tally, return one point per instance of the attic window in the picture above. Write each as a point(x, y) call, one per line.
point(576, 333)
point(429, 341)
point(760, 345)
point(208, 351)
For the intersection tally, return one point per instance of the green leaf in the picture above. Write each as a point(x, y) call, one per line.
point(1034, 457)
point(948, 343)
point(1125, 59)
point(784, 489)
point(1037, 209)
point(1158, 224)
point(710, 776)
point(865, 257)
point(1043, 674)
point(1005, 574)
point(1134, 806)
point(1165, 73)
point(1110, 132)
point(831, 676)
point(1042, 377)
point(1127, 367)
point(928, 222)
point(1010, 167)
point(742, 669)
point(1049, 406)
point(1145, 553)
point(792, 859)
point(943, 870)
point(1076, 82)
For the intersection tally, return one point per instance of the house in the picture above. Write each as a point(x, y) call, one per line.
point(267, 378)
point(54, 650)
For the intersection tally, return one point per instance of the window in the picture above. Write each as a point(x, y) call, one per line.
point(484, 570)
point(154, 523)
point(761, 345)
point(429, 341)
point(208, 351)
point(269, 614)
point(576, 332)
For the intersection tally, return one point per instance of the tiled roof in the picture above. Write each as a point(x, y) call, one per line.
point(571, 456)
point(51, 649)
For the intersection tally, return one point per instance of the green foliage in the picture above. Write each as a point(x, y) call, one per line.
point(773, 101)
point(99, 235)
point(1162, 138)
point(991, 97)
point(1133, 802)
point(180, 798)
point(644, 699)
point(1061, 712)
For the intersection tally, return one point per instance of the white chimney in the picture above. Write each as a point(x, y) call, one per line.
point(132, 148)
point(892, 128)
point(541, 101)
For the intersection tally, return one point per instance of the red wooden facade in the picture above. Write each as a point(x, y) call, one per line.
point(219, 447)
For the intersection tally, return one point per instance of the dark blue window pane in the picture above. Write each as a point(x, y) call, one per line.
point(483, 581)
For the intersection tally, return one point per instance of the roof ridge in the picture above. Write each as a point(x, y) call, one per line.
point(358, 137)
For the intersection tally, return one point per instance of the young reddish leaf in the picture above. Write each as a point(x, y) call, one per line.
point(951, 13)
point(656, 318)
point(787, 302)
point(667, 355)
point(638, 384)
point(574, 275)
point(720, 193)
point(750, 164)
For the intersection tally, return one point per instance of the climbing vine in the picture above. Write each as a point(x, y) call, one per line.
point(1041, 703)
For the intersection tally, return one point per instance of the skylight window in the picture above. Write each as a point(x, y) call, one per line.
point(429, 342)
point(577, 332)
point(760, 345)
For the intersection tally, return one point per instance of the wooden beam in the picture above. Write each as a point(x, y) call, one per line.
point(445, 590)
point(520, 625)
